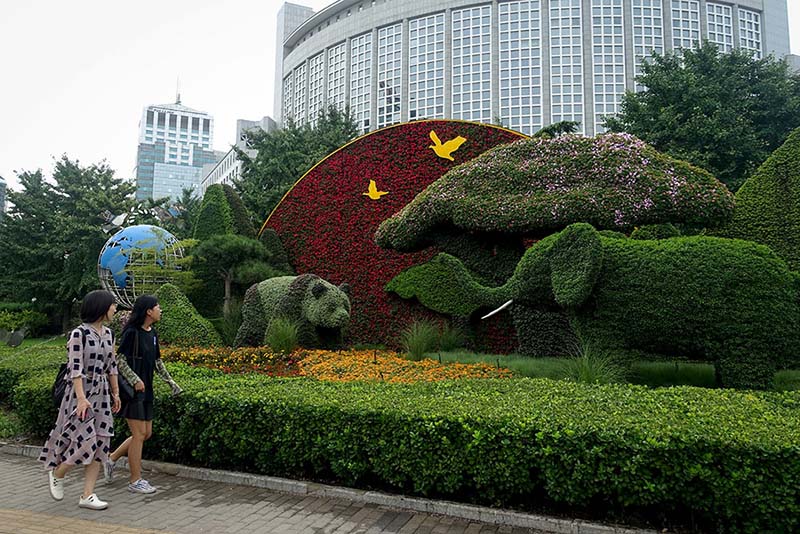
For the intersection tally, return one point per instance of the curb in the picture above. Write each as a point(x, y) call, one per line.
point(467, 512)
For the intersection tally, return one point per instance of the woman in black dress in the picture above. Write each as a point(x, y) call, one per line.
point(142, 358)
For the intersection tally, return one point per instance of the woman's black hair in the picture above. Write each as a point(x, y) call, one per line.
point(139, 313)
point(95, 305)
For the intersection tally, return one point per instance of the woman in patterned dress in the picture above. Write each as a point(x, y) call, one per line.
point(85, 424)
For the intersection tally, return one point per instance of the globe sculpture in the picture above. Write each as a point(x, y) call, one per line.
point(137, 260)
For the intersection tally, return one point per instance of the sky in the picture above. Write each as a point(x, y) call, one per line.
point(76, 75)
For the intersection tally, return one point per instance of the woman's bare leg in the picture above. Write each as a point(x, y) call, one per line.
point(138, 433)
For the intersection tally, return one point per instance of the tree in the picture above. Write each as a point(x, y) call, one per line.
point(284, 156)
point(215, 216)
point(49, 243)
point(233, 258)
point(724, 112)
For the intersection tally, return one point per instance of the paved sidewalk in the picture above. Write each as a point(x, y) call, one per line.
point(192, 506)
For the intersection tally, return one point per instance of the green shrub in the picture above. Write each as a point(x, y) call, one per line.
point(17, 364)
point(767, 207)
point(180, 322)
point(729, 459)
point(451, 337)
point(661, 374)
point(32, 401)
point(282, 335)
point(14, 320)
point(418, 338)
point(215, 215)
point(9, 425)
point(655, 231)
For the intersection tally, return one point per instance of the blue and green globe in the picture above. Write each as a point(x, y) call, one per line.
point(137, 260)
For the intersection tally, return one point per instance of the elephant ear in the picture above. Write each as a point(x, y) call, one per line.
point(576, 260)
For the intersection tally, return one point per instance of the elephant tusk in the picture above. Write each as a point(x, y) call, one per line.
point(501, 308)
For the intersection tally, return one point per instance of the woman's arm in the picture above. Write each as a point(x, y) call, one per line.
point(165, 376)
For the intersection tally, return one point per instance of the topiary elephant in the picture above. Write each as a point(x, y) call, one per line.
point(723, 300)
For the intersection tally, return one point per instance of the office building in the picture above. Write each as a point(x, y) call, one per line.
point(523, 64)
point(174, 144)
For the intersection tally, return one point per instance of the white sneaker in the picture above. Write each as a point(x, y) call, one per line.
point(108, 471)
point(141, 486)
point(56, 486)
point(92, 503)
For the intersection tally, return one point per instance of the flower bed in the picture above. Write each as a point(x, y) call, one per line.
point(345, 366)
point(388, 367)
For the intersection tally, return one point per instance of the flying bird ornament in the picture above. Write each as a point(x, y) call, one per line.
point(446, 149)
point(372, 191)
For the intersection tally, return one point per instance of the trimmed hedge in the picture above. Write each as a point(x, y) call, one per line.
point(730, 459)
point(613, 181)
point(215, 216)
point(655, 231)
point(181, 324)
point(17, 364)
point(768, 204)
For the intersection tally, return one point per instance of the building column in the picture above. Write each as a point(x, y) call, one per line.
point(494, 28)
point(373, 91)
point(629, 51)
point(448, 63)
point(544, 10)
point(588, 68)
point(666, 9)
point(405, 65)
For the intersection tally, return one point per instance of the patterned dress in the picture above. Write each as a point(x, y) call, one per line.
point(76, 442)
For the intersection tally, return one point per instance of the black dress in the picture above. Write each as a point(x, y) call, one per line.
point(143, 363)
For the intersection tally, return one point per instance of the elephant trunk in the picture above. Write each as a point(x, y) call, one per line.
point(501, 308)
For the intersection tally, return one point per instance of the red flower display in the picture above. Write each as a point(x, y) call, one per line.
point(327, 221)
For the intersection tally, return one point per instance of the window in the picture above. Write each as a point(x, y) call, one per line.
point(685, 23)
point(720, 25)
point(336, 75)
point(390, 57)
point(315, 86)
point(750, 32)
point(426, 67)
point(472, 64)
point(360, 79)
point(608, 59)
point(521, 65)
point(566, 62)
point(648, 33)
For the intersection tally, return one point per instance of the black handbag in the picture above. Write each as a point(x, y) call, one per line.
point(126, 390)
point(60, 385)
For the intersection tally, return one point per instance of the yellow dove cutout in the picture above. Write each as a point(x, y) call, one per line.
point(372, 191)
point(445, 150)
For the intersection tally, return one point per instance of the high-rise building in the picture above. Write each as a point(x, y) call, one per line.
point(523, 63)
point(229, 167)
point(174, 144)
point(2, 195)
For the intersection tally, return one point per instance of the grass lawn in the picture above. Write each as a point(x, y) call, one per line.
point(652, 374)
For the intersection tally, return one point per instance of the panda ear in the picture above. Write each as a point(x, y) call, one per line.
point(346, 289)
point(318, 289)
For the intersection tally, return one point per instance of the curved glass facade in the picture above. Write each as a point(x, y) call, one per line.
point(520, 63)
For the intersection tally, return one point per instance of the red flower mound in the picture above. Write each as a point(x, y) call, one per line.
point(327, 222)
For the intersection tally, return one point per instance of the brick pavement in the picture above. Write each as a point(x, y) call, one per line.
point(193, 506)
